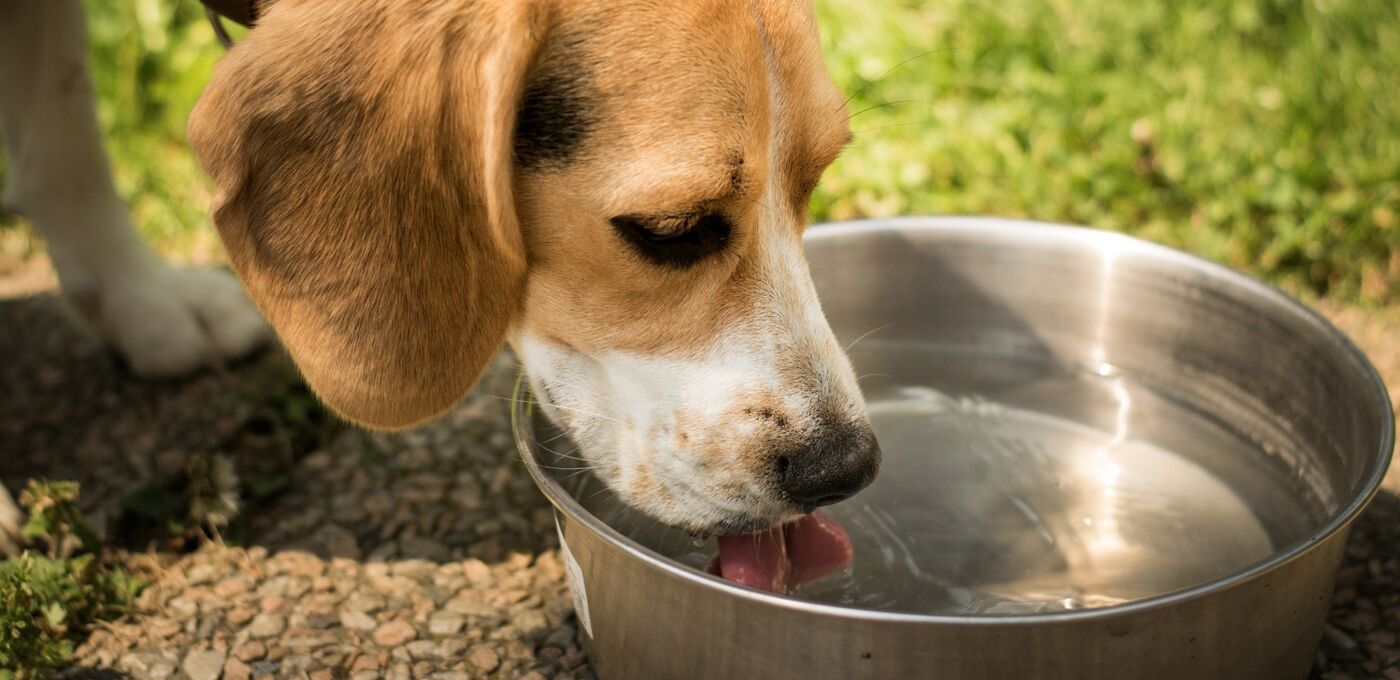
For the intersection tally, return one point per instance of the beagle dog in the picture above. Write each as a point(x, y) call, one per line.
point(616, 188)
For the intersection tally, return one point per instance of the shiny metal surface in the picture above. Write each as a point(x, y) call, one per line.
point(1103, 458)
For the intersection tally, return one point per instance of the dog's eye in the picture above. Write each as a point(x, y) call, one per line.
point(674, 241)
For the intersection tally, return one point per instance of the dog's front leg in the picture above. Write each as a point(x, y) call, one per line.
point(164, 320)
point(11, 519)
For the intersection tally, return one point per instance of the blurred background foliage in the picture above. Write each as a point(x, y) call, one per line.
point(1261, 133)
point(1264, 134)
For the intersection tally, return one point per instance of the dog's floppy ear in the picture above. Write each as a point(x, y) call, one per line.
point(361, 156)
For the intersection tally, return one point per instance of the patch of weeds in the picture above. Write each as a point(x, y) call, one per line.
point(209, 497)
point(182, 511)
point(55, 520)
point(50, 598)
point(213, 491)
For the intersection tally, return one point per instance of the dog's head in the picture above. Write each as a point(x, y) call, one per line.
point(616, 187)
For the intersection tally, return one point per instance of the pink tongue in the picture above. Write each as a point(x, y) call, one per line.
point(784, 557)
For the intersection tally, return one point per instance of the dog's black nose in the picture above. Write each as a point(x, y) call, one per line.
point(840, 461)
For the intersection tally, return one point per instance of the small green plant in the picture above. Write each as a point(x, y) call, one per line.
point(180, 511)
point(54, 518)
point(213, 490)
point(47, 600)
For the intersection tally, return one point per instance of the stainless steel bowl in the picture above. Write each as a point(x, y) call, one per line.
point(1103, 459)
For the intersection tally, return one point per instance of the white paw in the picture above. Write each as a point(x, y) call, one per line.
point(172, 320)
point(11, 519)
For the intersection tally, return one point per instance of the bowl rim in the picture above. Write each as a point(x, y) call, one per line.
point(521, 425)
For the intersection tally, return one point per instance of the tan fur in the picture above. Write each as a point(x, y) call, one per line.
point(368, 197)
point(361, 152)
point(680, 112)
point(361, 155)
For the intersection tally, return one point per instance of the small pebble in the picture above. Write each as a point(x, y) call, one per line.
point(266, 625)
point(357, 620)
point(483, 659)
point(250, 651)
point(264, 667)
point(1339, 642)
point(394, 633)
point(321, 622)
point(205, 664)
point(164, 628)
point(422, 649)
point(240, 615)
point(236, 670)
point(477, 572)
point(445, 623)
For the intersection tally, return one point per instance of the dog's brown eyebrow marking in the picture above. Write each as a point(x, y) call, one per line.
point(680, 188)
point(724, 180)
point(557, 110)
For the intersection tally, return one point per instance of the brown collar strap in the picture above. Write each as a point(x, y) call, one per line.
point(242, 11)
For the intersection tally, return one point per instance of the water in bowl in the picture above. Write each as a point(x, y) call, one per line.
point(1015, 485)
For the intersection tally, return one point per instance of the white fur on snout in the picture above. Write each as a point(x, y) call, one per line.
point(626, 412)
point(621, 409)
point(678, 435)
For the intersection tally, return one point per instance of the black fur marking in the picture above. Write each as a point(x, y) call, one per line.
point(557, 112)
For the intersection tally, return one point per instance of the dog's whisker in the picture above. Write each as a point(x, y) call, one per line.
point(602, 398)
point(537, 402)
point(586, 412)
point(563, 455)
point(888, 103)
point(866, 335)
point(582, 470)
point(556, 437)
point(888, 71)
point(587, 390)
point(571, 468)
point(891, 125)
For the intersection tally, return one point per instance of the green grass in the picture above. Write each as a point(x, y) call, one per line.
point(1260, 133)
point(151, 59)
point(49, 600)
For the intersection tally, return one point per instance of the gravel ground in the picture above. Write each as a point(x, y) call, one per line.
point(426, 554)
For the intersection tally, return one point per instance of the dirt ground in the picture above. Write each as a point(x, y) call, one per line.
point(426, 554)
